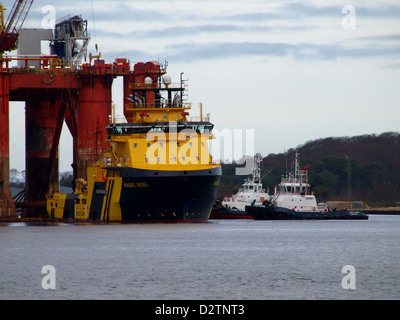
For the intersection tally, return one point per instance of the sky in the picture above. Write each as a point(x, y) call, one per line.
point(283, 72)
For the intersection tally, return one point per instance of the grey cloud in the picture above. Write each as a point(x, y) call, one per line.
point(297, 12)
point(380, 11)
point(303, 51)
point(301, 10)
point(179, 31)
point(102, 12)
point(256, 16)
point(118, 11)
point(391, 37)
point(393, 66)
point(304, 10)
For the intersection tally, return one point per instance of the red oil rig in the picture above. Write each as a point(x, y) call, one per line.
point(56, 88)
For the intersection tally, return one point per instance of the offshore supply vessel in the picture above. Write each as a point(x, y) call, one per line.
point(157, 168)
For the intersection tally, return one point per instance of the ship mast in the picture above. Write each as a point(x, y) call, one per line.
point(256, 168)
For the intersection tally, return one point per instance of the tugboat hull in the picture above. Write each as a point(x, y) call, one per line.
point(220, 212)
point(279, 213)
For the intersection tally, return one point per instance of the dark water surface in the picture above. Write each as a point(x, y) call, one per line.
point(227, 259)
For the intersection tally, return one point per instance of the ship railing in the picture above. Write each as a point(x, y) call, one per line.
point(290, 179)
point(199, 119)
point(174, 85)
point(161, 105)
point(117, 119)
point(54, 64)
point(33, 63)
point(142, 85)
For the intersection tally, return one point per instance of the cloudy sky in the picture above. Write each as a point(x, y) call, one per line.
point(292, 71)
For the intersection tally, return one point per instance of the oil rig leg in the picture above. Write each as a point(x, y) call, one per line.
point(41, 163)
point(7, 206)
point(94, 108)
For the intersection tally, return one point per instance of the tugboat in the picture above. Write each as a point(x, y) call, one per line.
point(158, 167)
point(294, 201)
point(233, 207)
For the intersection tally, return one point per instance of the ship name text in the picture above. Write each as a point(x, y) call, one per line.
point(136, 185)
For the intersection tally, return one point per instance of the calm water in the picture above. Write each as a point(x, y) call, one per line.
point(231, 259)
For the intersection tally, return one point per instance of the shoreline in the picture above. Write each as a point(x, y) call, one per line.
point(375, 211)
point(388, 210)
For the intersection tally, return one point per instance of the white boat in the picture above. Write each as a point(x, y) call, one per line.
point(251, 192)
point(294, 192)
point(293, 200)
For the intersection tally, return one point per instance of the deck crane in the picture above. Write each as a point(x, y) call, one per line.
point(10, 30)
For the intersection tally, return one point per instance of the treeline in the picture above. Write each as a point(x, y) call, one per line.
point(363, 168)
point(17, 179)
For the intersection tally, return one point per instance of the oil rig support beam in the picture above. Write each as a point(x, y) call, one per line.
point(92, 114)
point(7, 206)
point(41, 123)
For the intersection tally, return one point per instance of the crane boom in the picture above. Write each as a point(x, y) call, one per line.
point(17, 15)
point(10, 30)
